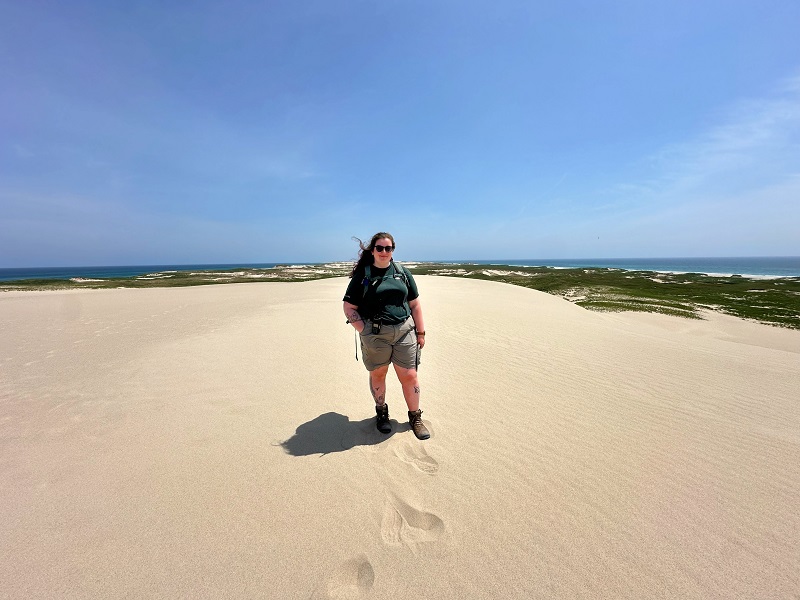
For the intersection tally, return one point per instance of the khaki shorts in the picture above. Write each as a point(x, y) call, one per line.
point(394, 344)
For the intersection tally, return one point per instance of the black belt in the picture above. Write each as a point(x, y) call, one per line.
point(376, 326)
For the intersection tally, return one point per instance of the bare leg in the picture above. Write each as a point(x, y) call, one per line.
point(410, 382)
point(377, 384)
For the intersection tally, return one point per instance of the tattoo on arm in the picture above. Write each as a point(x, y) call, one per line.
point(416, 389)
point(353, 317)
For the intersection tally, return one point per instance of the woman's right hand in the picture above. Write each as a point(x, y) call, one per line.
point(351, 312)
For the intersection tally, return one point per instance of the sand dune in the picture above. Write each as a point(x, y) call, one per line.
point(218, 442)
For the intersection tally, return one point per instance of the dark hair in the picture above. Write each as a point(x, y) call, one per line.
point(365, 251)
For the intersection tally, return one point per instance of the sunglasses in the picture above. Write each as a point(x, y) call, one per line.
point(380, 248)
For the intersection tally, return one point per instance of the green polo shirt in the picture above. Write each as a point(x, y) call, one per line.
point(387, 295)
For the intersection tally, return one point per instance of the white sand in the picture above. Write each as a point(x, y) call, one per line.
point(217, 442)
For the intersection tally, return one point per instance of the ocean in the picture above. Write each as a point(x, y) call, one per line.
point(116, 271)
point(753, 266)
point(770, 266)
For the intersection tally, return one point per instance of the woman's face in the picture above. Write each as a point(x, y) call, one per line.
point(383, 257)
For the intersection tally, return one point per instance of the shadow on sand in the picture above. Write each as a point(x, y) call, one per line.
point(332, 432)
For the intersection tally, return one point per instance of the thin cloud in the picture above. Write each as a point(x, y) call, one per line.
point(756, 145)
point(732, 189)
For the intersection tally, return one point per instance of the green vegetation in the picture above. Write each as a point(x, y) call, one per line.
point(772, 301)
point(185, 278)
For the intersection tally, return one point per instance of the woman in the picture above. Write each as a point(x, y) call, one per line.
point(382, 303)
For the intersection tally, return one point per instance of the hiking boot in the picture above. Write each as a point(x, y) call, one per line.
point(415, 420)
point(384, 426)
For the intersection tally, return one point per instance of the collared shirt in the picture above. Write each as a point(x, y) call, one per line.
point(387, 295)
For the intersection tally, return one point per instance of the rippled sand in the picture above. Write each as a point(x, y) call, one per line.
point(218, 441)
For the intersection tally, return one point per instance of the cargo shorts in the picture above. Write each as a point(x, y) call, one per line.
point(394, 344)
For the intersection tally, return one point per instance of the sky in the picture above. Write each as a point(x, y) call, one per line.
point(148, 132)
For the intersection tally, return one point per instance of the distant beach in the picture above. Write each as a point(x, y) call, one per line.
point(118, 271)
point(758, 266)
point(764, 266)
point(669, 286)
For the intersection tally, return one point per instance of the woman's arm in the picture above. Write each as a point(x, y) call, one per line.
point(419, 322)
point(351, 312)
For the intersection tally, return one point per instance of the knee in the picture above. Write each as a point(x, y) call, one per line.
point(378, 375)
point(408, 377)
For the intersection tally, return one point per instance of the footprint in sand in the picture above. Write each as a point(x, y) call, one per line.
point(352, 579)
point(404, 524)
point(418, 457)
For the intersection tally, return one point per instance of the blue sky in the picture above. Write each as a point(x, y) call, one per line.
point(216, 132)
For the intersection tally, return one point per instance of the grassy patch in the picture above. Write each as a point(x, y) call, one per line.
point(771, 301)
point(186, 278)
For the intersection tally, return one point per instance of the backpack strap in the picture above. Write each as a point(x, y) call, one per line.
point(398, 268)
point(367, 274)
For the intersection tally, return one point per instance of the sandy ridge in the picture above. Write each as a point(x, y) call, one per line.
point(218, 442)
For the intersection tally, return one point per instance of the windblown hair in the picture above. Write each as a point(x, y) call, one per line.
point(365, 250)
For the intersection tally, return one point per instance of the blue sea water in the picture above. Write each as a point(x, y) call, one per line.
point(754, 266)
point(772, 266)
point(114, 271)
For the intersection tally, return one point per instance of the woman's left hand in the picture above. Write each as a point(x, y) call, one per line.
point(419, 324)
